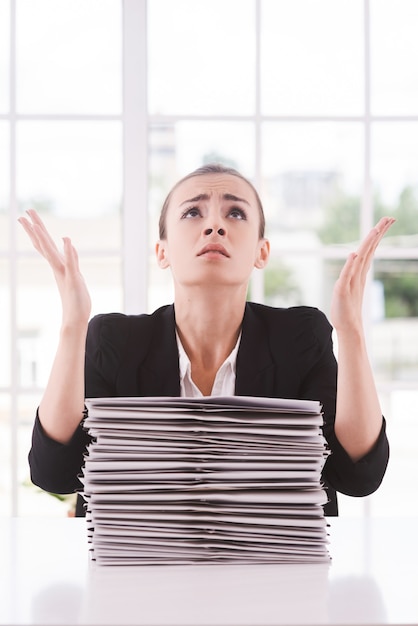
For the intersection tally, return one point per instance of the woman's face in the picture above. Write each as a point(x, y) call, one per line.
point(212, 228)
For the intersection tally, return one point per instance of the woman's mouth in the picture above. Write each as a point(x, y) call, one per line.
point(214, 248)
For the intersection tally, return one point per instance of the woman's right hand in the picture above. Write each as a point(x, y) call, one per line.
point(75, 298)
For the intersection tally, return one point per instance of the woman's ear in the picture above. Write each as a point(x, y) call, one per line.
point(161, 253)
point(263, 254)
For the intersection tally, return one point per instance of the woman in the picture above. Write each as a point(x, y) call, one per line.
point(211, 341)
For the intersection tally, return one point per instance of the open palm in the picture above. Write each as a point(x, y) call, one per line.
point(347, 298)
point(75, 298)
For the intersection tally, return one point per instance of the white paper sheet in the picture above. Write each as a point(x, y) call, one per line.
point(180, 480)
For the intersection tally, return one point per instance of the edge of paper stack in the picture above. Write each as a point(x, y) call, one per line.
point(196, 480)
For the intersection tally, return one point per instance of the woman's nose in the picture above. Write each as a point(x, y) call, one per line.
point(220, 231)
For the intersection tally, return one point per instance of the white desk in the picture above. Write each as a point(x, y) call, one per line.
point(46, 578)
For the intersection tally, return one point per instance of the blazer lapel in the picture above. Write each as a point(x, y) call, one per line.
point(159, 373)
point(255, 373)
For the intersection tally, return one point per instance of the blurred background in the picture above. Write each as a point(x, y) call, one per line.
point(104, 104)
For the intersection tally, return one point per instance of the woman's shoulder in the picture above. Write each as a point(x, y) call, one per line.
point(294, 315)
point(118, 328)
point(119, 321)
point(299, 325)
point(302, 331)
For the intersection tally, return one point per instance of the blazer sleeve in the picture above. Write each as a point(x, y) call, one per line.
point(358, 478)
point(56, 467)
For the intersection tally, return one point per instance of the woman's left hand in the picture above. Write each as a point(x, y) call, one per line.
point(347, 298)
point(358, 417)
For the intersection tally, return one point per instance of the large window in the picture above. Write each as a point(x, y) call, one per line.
point(61, 149)
point(104, 104)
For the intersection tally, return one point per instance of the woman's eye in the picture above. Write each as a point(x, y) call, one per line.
point(237, 214)
point(191, 212)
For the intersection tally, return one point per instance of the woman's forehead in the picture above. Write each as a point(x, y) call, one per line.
point(213, 185)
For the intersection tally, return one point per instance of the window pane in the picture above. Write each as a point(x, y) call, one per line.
point(400, 407)
point(4, 183)
point(394, 46)
point(201, 57)
point(161, 288)
point(230, 143)
point(4, 54)
point(312, 182)
point(395, 331)
point(73, 171)
point(396, 192)
point(38, 322)
point(311, 57)
point(5, 336)
point(395, 175)
point(103, 276)
point(5, 456)
point(69, 56)
point(293, 279)
point(92, 233)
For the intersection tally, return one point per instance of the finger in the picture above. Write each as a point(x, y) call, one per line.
point(41, 239)
point(29, 229)
point(370, 243)
point(379, 231)
point(358, 264)
point(40, 228)
point(43, 244)
point(384, 224)
point(367, 250)
point(347, 272)
point(47, 247)
point(36, 218)
point(71, 256)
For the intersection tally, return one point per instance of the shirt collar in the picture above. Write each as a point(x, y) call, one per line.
point(184, 361)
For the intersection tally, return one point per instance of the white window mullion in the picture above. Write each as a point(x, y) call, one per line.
point(366, 215)
point(257, 279)
point(13, 271)
point(135, 157)
point(366, 219)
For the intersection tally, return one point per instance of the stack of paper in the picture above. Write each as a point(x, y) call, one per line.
point(181, 480)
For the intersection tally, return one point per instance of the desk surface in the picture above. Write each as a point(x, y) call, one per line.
point(46, 577)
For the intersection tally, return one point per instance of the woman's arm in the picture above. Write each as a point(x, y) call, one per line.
point(62, 404)
point(358, 419)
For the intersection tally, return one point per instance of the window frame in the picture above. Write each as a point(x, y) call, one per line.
point(137, 124)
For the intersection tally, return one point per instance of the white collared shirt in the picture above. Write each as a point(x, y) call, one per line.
point(224, 384)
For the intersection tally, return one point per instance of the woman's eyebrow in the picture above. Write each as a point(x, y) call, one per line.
point(205, 196)
point(201, 196)
point(230, 196)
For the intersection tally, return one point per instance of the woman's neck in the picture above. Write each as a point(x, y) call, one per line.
point(209, 325)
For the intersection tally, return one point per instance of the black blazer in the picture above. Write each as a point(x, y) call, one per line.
point(283, 353)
